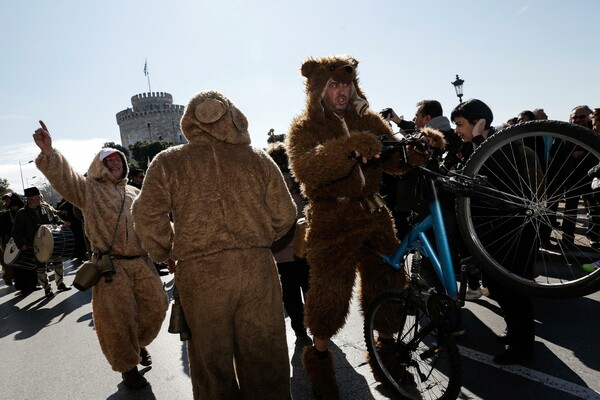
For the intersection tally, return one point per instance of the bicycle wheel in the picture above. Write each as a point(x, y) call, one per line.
point(535, 227)
point(418, 360)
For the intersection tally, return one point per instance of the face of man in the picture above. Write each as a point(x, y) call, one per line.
point(421, 119)
point(541, 114)
point(596, 124)
point(337, 97)
point(114, 164)
point(33, 201)
point(464, 129)
point(580, 116)
point(523, 118)
point(6, 200)
point(139, 178)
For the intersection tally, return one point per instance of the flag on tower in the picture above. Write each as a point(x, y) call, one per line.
point(146, 67)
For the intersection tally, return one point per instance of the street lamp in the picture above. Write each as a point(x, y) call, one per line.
point(458, 87)
point(21, 169)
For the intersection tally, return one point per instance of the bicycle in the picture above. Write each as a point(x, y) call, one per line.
point(427, 361)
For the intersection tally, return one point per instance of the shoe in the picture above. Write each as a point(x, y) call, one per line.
point(63, 288)
point(473, 294)
point(512, 356)
point(146, 357)
point(303, 341)
point(133, 379)
point(49, 293)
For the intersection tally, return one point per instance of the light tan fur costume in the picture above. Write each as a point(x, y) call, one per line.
point(320, 145)
point(229, 203)
point(129, 311)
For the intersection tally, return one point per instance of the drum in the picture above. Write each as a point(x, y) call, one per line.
point(53, 243)
point(18, 258)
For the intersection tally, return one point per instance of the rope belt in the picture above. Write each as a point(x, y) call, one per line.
point(120, 257)
point(117, 256)
point(372, 203)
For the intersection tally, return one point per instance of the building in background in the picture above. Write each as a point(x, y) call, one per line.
point(153, 116)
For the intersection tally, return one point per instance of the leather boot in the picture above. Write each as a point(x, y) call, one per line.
point(133, 379)
point(321, 374)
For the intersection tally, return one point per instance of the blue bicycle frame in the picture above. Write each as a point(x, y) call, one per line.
point(416, 239)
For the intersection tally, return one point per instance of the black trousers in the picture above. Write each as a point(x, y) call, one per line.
point(518, 314)
point(294, 283)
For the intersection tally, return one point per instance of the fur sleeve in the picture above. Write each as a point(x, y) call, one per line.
point(316, 164)
point(150, 212)
point(62, 177)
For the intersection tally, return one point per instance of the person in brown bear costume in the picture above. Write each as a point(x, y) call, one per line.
point(129, 311)
point(229, 203)
point(333, 150)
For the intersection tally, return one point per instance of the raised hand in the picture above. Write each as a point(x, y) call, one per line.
point(43, 139)
point(479, 127)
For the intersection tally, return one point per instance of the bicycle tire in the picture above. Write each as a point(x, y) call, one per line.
point(538, 216)
point(418, 367)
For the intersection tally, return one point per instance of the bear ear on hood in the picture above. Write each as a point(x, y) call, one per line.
point(309, 67)
point(210, 110)
point(239, 119)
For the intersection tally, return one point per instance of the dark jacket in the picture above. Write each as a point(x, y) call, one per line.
point(27, 222)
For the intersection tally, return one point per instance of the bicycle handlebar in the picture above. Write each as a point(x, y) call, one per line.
point(454, 182)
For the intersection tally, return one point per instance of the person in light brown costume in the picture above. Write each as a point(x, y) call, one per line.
point(128, 312)
point(333, 147)
point(229, 203)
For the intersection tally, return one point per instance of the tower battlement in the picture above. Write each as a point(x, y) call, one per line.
point(153, 116)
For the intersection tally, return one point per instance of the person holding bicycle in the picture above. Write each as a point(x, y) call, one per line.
point(334, 152)
point(473, 120)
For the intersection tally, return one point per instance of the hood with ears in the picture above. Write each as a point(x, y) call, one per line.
point(98, 171)
point(210, 114)
point(318, 72)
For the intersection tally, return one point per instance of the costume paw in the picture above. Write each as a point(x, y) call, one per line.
point(367, 144)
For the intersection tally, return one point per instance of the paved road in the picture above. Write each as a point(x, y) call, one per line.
point(49, 350)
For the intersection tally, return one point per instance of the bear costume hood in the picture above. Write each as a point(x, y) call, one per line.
point(210, 115)
point(319, 71)
point(100, 172)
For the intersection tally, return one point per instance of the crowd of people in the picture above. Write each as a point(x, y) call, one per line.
point(215, 211)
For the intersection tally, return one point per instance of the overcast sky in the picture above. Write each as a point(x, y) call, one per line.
point(75, 64)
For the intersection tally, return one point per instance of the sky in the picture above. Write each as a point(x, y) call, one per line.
point(76, 64)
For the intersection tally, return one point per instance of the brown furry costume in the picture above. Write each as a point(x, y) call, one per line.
point(229, 203)
point(320, 145)
point(129, 311)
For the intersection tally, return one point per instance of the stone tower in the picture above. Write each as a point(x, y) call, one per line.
point(153, 117)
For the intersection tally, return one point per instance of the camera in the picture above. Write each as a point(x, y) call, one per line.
point(386, 113)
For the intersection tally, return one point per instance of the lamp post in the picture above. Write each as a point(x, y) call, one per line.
point(21, 170)
point(458, 87)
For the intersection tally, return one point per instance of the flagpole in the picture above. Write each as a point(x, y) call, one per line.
point(147, 73)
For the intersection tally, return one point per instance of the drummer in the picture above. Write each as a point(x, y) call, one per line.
point(23, 280)
point(26, 224)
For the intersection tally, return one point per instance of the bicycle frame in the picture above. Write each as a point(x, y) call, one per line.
point(416, 239)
